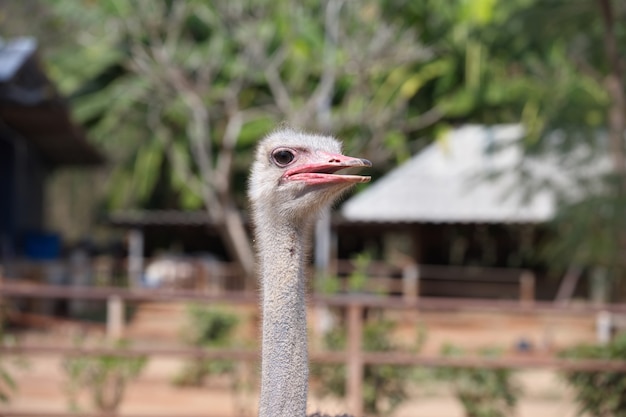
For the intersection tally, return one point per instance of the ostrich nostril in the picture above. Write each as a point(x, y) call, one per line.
point(334, 160)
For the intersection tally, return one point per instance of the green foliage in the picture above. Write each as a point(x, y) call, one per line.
point(8, 385)
point(327, 284)
point(358, 278)
point(544, 64)
point(106, 377)
point(208, 327)
point(385, 387)
point(398, 72)
point(355, 282)
point(599, 393)
point(601, 211)
point(132, 67)
point(482, 392)
point(211, 327)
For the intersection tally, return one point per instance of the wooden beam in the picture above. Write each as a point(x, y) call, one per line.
point(354, 381)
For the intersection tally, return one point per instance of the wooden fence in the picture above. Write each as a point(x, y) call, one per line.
point(353, 357)
point(411, 279)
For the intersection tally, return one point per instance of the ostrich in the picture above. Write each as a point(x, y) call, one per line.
point(292, 179)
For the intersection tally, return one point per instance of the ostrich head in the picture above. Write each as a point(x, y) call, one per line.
point(295, 174)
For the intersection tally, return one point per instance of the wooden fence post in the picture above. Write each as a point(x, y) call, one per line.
point(354, 381)
point(527, 288)
point(411, 282)
point(135, 257)
point(115, 318)
point(604, 327)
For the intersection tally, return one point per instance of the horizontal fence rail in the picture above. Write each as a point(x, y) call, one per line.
point(16, 290)
point(331, 357)
point(354, 357)
point(9, 413)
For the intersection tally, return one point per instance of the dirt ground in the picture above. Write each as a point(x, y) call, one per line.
point(42, 382)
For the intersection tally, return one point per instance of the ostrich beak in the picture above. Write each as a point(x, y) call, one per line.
point(323, 170)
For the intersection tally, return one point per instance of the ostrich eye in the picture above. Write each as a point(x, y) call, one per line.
point(283, 157)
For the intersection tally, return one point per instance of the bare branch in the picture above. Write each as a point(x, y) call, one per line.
point(198, 128)
point(229, 140)
point(175, 23)
point(181, 169)
point(424, 120)
point(322, 96)
point(615, 87)
point(275, 82)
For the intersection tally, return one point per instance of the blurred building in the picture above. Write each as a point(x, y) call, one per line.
point(471, 199)
point(37, 136)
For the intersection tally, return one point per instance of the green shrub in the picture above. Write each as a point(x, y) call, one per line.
point(599, 393)
point(8, 385)
point(356, 282)
point(384, 386)
point(207, 327)
point(482, 392)
point(105, 377)
point(211, 327)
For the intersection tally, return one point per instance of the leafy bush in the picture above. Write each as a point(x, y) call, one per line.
point(599, 393)
point(105, 376)
point(482, 392)
point(8, 386)
point(208, 327)
point(355, 282)
point(384, 386)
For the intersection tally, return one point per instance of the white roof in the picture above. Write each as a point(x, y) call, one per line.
point(447, 182)
point(13, 53)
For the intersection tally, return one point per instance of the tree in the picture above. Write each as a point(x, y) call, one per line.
point(180, 91)
point(177, 94)
point(554, 66)
point(590, 227)
point(598, 393)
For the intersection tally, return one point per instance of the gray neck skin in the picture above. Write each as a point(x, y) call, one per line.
point(284, 367)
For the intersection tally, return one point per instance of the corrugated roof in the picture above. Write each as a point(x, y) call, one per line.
point(447, 182)
point(13, 54)
point(50, 129)
point(31, 108)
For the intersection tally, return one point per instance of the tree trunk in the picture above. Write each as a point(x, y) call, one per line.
point(234, 235)
point(614, 85)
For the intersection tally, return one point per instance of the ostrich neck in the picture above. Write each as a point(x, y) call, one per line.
point(284, 367)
